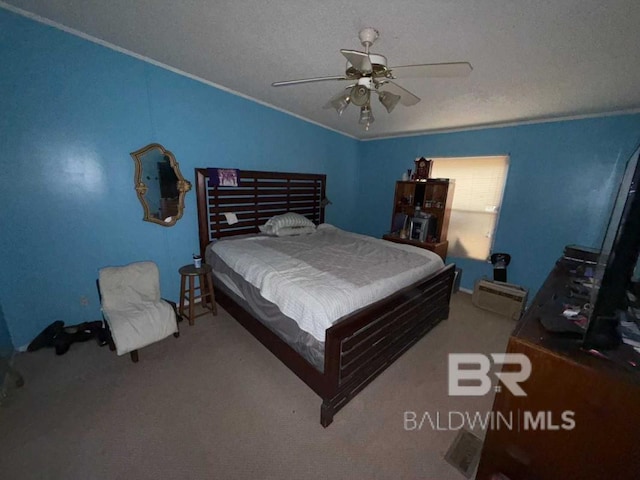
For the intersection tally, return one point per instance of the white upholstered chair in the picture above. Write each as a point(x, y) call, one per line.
point(132, 308)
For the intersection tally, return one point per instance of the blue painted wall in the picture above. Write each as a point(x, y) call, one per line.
point(71, 113)
point(562, 181)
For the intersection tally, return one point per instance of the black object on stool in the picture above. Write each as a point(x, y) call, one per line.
point(500, 262)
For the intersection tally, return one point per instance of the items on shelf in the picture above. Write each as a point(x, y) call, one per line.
point(429, 200)
point(421, 212)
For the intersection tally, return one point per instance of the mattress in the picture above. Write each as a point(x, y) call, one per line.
point(317, 279)
point(249, 298)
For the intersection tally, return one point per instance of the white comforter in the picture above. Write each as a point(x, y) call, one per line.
point(317, 279)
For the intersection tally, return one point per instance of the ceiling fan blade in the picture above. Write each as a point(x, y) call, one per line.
point(359, 60)
point(406, 97)
point(308, 80)
point(458, 69)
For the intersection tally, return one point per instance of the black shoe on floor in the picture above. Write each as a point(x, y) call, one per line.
point(46, 337)
point(102, 337)
point(62, 343)
point(99, 332)
point(64, 339)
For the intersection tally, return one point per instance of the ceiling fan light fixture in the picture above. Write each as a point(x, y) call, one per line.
point(360, 95)
point(341, 103)
point(389, 100)
point(366, 116)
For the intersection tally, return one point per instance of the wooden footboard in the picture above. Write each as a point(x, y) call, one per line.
point(362, 345)
point(359, 348)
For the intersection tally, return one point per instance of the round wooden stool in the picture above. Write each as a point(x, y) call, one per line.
point(206, 294)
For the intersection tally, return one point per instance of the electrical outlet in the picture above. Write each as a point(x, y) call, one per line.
point(84, 301)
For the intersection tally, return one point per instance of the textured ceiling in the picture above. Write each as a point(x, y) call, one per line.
point(532, 59)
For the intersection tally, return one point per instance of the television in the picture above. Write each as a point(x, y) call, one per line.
point(617, 260)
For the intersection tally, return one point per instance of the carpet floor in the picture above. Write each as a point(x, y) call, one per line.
point(216, 404)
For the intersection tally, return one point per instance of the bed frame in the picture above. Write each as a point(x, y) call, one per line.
point(363, 344)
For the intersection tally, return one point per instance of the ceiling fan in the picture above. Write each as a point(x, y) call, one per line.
point(368, 74)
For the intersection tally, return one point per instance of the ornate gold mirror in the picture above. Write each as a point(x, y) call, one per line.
point(159, 184)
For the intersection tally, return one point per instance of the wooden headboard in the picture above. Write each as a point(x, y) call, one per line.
point(258, 197)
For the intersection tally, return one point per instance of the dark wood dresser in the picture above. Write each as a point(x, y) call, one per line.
point(602, 392)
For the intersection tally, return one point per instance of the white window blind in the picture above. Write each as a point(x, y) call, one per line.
point(479, 183)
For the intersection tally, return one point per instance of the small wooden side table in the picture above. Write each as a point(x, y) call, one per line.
point(206, 294)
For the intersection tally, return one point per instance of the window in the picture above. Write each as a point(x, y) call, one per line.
point(479, 183)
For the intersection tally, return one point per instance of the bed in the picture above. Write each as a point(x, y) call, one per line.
point(359, 345)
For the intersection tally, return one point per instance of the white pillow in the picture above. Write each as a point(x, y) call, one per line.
point(289, 219)
point(288, 231)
